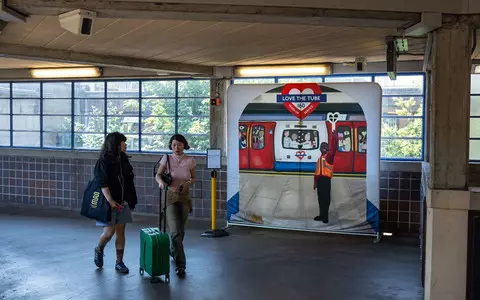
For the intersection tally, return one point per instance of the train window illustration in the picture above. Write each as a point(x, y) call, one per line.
point(242, 136)
point(300, 139)
point(362, 140)
point(344, 139)
point(258, 137)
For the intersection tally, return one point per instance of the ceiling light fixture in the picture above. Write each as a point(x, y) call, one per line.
point(477, 69)
point(283, 70)
point(81, 72)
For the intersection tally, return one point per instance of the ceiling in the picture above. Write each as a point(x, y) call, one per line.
point(209, 43)
point(12, 63)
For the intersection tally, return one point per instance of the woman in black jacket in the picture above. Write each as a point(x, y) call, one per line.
point(114, 173)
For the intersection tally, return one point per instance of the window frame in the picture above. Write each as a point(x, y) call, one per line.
point(473, 117)
point(103, 98)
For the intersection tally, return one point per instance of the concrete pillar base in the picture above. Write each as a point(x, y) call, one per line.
point(447, 234)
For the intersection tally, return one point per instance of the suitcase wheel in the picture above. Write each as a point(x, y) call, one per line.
point(141, 271)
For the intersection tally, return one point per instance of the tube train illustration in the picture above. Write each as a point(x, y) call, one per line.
point(272, 139)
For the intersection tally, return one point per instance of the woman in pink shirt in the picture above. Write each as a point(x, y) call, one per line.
point(182, 168)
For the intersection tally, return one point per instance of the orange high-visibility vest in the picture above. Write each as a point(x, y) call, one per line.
point(324, 168)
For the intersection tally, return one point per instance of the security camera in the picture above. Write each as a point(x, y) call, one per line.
point(78, 21)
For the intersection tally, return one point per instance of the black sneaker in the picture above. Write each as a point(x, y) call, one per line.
point(181, 272)
point(98, 258)
point(121, 268)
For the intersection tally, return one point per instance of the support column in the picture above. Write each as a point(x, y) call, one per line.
point(218, 115)
point(448, 198)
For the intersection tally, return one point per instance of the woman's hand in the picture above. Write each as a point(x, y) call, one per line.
point(161, 185)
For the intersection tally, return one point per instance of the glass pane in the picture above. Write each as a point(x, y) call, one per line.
point(122, 124)
point(89, 106)
point(404, 85)
point(132, 142)
point(475, 84)
point(158, 107)
point(4, 106)
point(401, 127)
point(60, 123)
point(258, 137)
point(155, 142)
point(57, 107)
point(196, 125)
point(26, 106)
point(122, 107)
point(402, 106)
point(26, 123)
point(89, 89)
point(254, 80)
point(4, 122)
point(26, 139)
point(475, 149)
point(26, 90)
point(159, 125)
point(123, 89)
point(194, 88)
point(198, 143)
point(348, 79)
point(475, 106)
point(4, 138)
point(57, 90)
point(88, 141)
point(306, 139)
point(300, 79)
point(158, 88)
point(398, 148)
point(89, 124)
point(194, 107)
point(57, 139)
point(362, 140)
point(344, 139)
point(475, 127)
point(4, 90)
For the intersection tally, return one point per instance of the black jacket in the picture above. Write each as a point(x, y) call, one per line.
point(107, 174)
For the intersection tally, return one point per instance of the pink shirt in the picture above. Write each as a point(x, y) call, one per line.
point(180, 169)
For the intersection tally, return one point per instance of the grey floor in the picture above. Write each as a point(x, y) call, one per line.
point(50, 256)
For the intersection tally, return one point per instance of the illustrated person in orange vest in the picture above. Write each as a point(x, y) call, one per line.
point(323, 176)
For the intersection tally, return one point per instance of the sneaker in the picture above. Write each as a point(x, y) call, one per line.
point(181, 272)
point(98, 258)
point(121, 268)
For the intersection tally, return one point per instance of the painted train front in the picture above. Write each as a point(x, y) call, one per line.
point(273, 140)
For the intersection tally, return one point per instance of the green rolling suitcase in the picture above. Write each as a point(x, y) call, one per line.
point(155, 249)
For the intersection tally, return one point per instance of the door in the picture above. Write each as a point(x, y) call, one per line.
point(243, 133)
point(360, 154)
point(343, 162)
point(261, 145)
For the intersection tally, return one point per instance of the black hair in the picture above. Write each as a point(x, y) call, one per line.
point(180, 138)
point(111, 145)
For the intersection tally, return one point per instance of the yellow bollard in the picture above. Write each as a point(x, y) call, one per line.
point(214, 232)
point(214, 200)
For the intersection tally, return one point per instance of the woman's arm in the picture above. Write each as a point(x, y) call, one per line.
point(158, 178)
point(193, 173)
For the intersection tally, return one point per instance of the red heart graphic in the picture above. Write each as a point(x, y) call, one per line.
point(310, 107)
point(300, 154)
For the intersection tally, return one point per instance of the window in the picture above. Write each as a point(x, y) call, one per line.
point(242, 136)
point(344, 139)
point(475, 118)
point(258, 137)
point(402, 109)
point(5, 114)
point(78, 114)
point(300, 139)
point(362, 140)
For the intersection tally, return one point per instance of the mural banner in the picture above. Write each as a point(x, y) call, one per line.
point(298, 156)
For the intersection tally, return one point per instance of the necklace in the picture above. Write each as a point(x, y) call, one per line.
point(178, 157)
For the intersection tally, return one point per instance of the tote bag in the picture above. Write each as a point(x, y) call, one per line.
point(95, 205)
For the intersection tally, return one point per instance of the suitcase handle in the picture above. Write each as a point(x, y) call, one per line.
point(164, 211)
